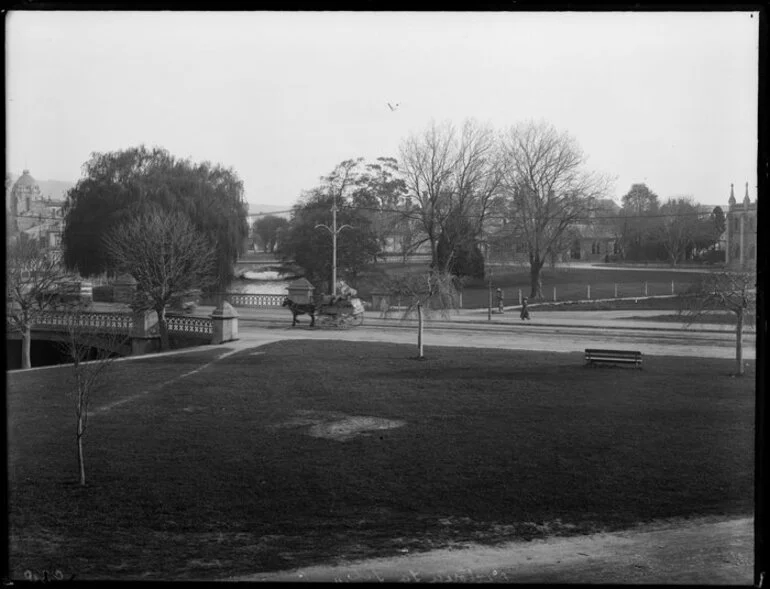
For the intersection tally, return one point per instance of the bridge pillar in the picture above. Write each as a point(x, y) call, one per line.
point(145, 334)
point(224, 322)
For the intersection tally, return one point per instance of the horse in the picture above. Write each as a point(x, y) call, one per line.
point(300, 309)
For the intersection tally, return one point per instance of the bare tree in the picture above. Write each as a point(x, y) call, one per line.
point(724, 291)
point(31, 278)
point(427, 161)
point(91, 355)
point(167, 256)
point(423, 294)
point(547, 188)
point(450, 175)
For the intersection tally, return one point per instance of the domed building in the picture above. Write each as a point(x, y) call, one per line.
point(33, 214)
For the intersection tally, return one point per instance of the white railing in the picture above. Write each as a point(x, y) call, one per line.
point(255, 300)
point(186, 324)
point(104, 321)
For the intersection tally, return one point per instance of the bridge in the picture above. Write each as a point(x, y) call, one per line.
point(102, 327)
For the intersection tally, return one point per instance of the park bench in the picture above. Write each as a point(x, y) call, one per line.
point(614, 356)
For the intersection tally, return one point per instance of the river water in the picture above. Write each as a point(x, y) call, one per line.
point(262, 282)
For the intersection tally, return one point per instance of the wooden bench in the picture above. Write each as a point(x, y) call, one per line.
point(614, 356)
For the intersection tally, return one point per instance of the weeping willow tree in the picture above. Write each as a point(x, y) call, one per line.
point(423, 295)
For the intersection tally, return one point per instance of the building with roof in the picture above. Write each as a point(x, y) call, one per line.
point(34, 215)
point(741, 232)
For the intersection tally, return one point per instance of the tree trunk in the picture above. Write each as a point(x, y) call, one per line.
point(739, 343)
point(434, 252)
point(26, 346)
point(536, 291)
point(163, 328)
point(81, 459)
point(419, 330)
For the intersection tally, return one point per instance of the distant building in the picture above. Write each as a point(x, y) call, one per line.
point(593, 239)
point(33, 214)
point(741, 232)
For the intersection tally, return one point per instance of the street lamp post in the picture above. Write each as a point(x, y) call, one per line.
point(334, 231)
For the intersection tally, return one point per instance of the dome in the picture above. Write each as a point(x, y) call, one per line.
point(25, 180)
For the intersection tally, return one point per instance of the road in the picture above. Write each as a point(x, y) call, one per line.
point(568, 331)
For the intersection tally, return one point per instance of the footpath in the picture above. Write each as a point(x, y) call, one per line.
point(480, 317)
point(642, 319)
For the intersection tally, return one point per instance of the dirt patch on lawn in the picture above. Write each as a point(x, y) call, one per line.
point(337, 426)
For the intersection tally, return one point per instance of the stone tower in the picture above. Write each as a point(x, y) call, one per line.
point(741, 232)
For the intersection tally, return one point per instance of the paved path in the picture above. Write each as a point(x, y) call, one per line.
point(697, 552)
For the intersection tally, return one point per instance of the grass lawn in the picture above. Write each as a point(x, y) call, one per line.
point(236, 469)
point(657, 304)
point(570, 283)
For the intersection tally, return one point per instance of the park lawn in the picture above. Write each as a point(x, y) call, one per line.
point(215, 474)
point(570, 283)
point(655, 304)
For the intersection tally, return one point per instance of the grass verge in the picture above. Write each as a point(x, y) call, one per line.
point(225, 471)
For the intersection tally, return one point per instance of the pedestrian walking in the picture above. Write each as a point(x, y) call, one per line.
point(500, 307)
point(524, 309)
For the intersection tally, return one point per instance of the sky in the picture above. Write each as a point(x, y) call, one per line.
point(668, 99)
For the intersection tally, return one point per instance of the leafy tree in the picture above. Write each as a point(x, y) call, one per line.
point(31, 279)
point(311, 247)
point(167, 255)
point(639, 226)
point(640, 200)
point(719, 220)
point(268, 229)
point(380, 192)
point(547, 188)
point(707, 231)
point(121, 185)
point(678, 227)
point(456, 253)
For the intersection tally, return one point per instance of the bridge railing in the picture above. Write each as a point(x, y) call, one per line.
point(120, 322)
point(188, 324)
point(242, 299)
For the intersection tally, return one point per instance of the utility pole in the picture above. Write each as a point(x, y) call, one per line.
point(334, 231)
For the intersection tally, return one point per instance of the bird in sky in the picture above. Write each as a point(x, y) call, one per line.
point(391, 107)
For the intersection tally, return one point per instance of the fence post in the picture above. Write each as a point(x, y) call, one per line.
point(519, 296)
point(672, 287)
point(645, 289)
point(589, 291)
point(554, 294)
point(616, 290)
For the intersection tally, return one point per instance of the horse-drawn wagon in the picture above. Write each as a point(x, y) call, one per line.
point(343, 310)
point(340, 312)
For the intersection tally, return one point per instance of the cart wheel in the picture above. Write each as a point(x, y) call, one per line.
point(358, 319)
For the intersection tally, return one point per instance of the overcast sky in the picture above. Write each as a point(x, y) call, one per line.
point(669, 99)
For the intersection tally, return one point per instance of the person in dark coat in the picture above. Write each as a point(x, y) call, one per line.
point(524, 309)
point(500, 308)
